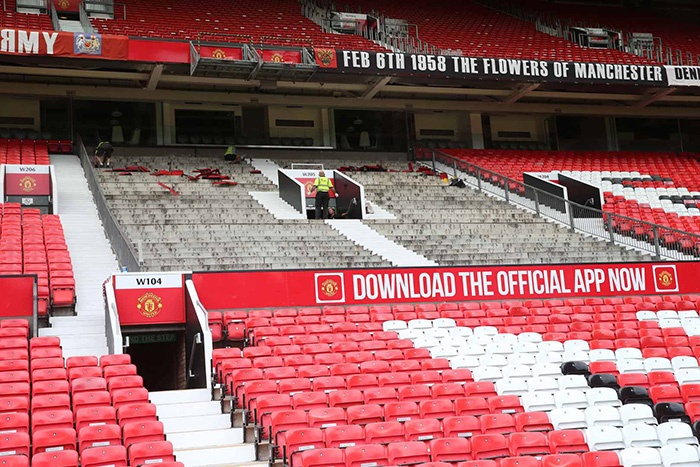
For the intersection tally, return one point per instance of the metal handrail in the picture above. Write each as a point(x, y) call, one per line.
point(54, 17)
point(507, 188)
point(85, 20)
point(122, 247)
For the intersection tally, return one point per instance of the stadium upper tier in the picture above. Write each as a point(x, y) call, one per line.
point(478, 31)
point(674, 34)
point(271, 22)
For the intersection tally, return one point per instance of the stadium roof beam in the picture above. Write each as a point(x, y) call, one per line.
point(520, 92)
point(156, 73)
point(375, 87)
point(652, 97)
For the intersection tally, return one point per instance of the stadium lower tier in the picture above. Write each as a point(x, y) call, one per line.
point(576, 382)
point(73, 412)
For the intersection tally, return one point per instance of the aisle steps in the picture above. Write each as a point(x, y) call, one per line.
point(201, 435)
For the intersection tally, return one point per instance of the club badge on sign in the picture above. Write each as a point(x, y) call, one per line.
point(149, 305)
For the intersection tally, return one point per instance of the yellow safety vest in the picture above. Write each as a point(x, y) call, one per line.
point(229, 151)
point(323, 184)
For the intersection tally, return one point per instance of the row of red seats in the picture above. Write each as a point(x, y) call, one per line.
point(34, 244)
point(391, 423)
point(28, 152)
point(674, 34)
point(482, 448)
point(10, 18)
point(233, 324)
point(474, 30)
point(276, 22)
point(92, 413)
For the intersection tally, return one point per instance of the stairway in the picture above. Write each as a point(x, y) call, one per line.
point(275, 205)
point(92, 258)
point(69, 25)
point(268, 169)
point(201, 435)
point(381, 246)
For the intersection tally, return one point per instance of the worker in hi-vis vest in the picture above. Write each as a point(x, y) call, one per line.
point(322, 186)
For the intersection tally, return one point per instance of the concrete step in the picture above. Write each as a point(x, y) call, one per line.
point(84, 322)
point(181, 396)
point(189, 409)
point(96, 351)
point(82, 332)
point(197, 423)
point(70, 340)
point(205, 439)
point(223, 456)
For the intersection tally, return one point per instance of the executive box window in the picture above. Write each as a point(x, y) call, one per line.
point(581, 133)
point(122, 123)
point(206, 126)
point(648, 134)
point(369, 130)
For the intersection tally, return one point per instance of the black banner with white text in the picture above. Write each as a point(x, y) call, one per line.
point(456, 67)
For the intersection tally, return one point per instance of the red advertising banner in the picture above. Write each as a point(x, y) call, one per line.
point(67, 5)
point(221, 53)
point(27, 180)
point(63, 44)
point(261, 289)
point(17, 294)
point(281, 56)
point(144, 50)
point(148, 299)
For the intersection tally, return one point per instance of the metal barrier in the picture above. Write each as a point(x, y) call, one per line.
point(54, 17)
point(113, 330)
point(122, 247)
point(85, 20)
point(662, 242)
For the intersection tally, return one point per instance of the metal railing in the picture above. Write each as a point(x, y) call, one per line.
point(102, 7)
point(387, 37)
point(54, 17)
point(40, 5)
point(113, 330)
point(85, 20)
point(662, 242)
point(126, 255)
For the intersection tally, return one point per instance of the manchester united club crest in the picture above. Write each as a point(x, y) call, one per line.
point(666, 278)
point(63, 4)
point(277, 57)
point(27, 183)
point(149, 305)
point(326, 58)
point(218, 54)
point(329, 287)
